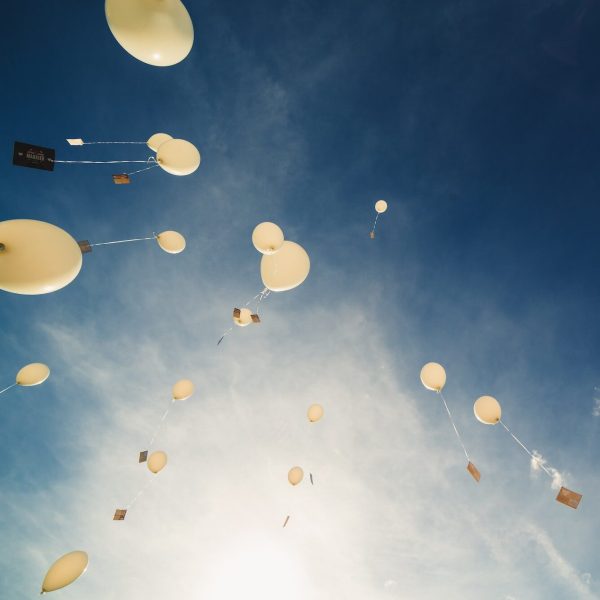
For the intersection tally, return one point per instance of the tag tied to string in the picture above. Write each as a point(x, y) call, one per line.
point(120, 514)
point(568, 497)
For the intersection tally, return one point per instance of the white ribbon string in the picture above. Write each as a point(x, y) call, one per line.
point(88, 143)
point(260, 296)
point(148, 483)
point(375, 224)
point(7, 388)
point(454, 425)
point(97, 162)
point(539, 462)
point(124, 241)
point(162, 422)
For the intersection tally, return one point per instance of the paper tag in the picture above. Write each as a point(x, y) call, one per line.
point(75, 141)
point(474, 471)
point(568, 497)
point(121, 178)
point(84, 246)
point(34, 157)
point(255, 318)
point(120, 514)
point(236, 313)
point(143, 456)
point(372, 235)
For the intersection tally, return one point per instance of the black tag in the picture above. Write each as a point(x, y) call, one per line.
point(34, 157)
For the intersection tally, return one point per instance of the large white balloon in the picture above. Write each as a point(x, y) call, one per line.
point(178, 157)
point(381, 206)
point(487, 410)
point(157, 32)
point(267, 237)
point(171, 241)
point(433, 376)
point(33, 374)
point(183, 389)
point(245, 317)
point(65, 571)
point(157, 140)
point(286, 269)
point(157, 461)
point(36, 257)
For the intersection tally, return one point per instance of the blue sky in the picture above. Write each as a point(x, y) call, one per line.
point(478, 123)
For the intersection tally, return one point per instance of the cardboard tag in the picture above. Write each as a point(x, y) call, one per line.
point(255, 318)
point(474, 471)
point(75, 141)
point(120, 514)
point(34, 157)
point(236, 313)
point(372, 235)
point(121, 178)
point(286, 520)
point(568, 497)
point(84, 246)
point(143, 456)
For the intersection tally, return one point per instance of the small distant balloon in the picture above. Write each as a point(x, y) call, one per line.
point(36, 257)
point(295, 475)
point(487, 410)
point(433, 376)
point(267, 238)
point(157, 140)
point(157, 32)
point(33, 374)
point(171, 242)
point(178, 157)
point(157, 461)
point(286, 269)
point(315, 412)
point(65, 571)
point(244, 318)
point(381, 206)
point(183, 389)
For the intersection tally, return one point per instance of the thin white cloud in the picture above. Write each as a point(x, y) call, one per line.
point(539, 463)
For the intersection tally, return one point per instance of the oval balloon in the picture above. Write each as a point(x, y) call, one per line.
point(433, 376)
point(157, 461)
point(315, 412)
point(295, 475)
point(171, 242)
point(244, 319)
point(487, 410)
point(157, 32)
point(183, 389)
point(267, 237)
point(157, 140)
point(178, 157)
point(381, 206)
point(33, 374)
point(65, 571)
point(38, 258)
point(286, 269)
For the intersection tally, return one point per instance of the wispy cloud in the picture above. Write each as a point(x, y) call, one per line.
point(539, 463)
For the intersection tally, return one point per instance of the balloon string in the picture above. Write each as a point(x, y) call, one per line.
point(375, 224)
point(140, 492)
point(260, 296)
point(151, 159)
point(97, 162)
point(124, 241)
point(539, 462)
point(162, 421)
point(8, 388)
point(454, 425)
point(88, 143)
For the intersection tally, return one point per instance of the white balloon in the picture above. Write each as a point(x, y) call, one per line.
point(33, 374)
point(37, 257)
point(178, 157)
point(157, 140)
point(267, 237)
point(183, 389)
point(171, 242)
point(157, 461)
point(487, 410)
point(157, 32)
point(295, 475)
point(381, 206)
point(65, 571)
point(433, 376)
point(286, 269)
point(315, 412)
point(245, 317)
